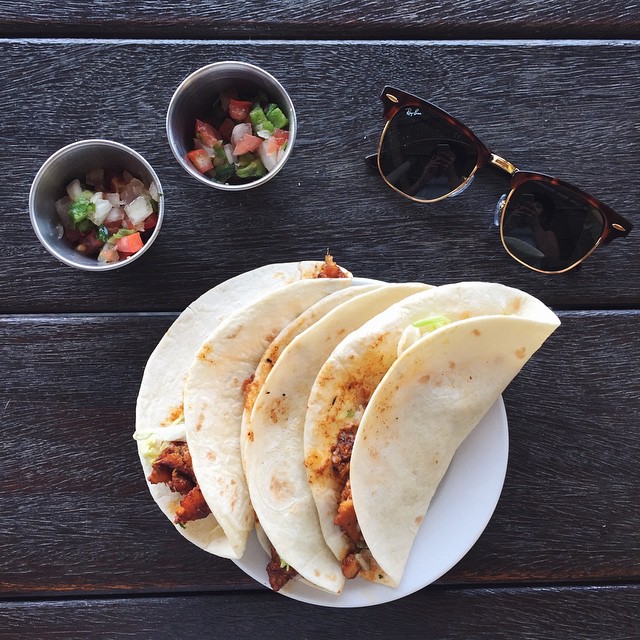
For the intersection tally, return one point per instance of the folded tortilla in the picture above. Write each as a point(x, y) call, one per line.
point(353, 371)
point(273, 437)
point(425, 406)
point(214, 398)
point(293, 329)
point(159, 409)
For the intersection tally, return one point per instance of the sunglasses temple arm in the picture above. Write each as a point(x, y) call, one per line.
point(372, 161)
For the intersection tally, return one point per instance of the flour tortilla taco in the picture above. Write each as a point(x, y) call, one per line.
point(214, 398)
point(160, 427)
point(293, 329)
point(350, 377)
point(273, 441)
point(426, 405)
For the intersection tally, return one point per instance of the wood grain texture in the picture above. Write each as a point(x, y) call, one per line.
point(84, 551)
point(77, 517)
point(579, 613)
point(322, 19)
point(567, 109)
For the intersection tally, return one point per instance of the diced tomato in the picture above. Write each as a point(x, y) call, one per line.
point(207, 133)
point(225, 96)
point(200, 160)
point(151, 221)
point(129, 244)
point(239, 109)
point(280, 136)
point(271, 145)
point(247, 144)
point(226, 128)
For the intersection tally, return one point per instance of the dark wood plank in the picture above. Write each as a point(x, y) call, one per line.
point(562, 108)
point(77, 518)
point(321, 19)
point(579, 613)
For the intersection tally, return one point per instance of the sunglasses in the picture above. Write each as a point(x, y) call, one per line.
point(545, 224)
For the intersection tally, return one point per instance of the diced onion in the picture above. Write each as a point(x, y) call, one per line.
point(240, 131)
point(132, 190)
point(114, 215)
point(153, 192)
point(108, 253)
point(263, 132)
point(269, 159)
point(103, 207)
point(198, 144)
point(74, 189)
point(62, 209)
point(138, 210)
point(228, 150)
point(113, 198)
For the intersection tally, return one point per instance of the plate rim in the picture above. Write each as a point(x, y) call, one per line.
point(496, 423)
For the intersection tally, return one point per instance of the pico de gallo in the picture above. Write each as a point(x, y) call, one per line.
point(242, 139)
point(108, 215)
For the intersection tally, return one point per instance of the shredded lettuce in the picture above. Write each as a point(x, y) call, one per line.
point(178, 420)
point(431, 323)
point(414, 331)
point(150, 448)
point(121, 233)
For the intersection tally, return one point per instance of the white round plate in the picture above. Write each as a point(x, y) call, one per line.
point(458, 514)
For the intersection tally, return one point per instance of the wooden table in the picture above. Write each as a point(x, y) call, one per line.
point(84, 551)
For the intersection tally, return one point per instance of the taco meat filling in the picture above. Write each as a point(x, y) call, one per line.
point(173, 467)
point(346, 517)
point(330, 269)
point(279, 572)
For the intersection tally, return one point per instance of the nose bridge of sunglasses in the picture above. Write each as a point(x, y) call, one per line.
point(503, 164)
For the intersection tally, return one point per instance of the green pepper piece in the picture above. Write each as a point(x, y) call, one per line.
point(102, 233)
point(218, 149)
point(254, 169)
point(245, 159)
point(224, 173)
point(80, 209)
point(85, 226)
point(259, 120)
point(276, 117)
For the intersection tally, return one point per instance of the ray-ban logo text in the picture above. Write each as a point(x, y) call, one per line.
point(413, 112)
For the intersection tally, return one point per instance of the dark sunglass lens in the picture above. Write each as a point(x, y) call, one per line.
point(550, 227)
point(425, 156)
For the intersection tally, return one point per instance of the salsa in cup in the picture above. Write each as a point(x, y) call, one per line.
point(242, 139)
point(108, 215)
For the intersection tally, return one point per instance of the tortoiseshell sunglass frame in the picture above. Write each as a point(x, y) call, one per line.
point(614, 225)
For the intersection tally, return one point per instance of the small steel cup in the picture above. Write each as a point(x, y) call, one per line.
point(194, 98)
point(67, 164)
